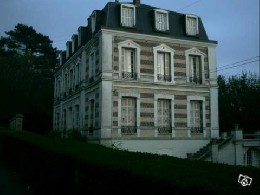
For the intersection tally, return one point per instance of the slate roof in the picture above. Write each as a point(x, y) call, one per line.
point(109, 18)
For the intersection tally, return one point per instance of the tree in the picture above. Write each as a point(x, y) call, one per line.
point(27, 61)
point(239, 102)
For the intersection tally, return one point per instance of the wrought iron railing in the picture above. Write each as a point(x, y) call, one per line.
point(197, 80)
point(162, 77)
point(196, 130)
point(164, 130)
point(128, 129)
point(129, 75)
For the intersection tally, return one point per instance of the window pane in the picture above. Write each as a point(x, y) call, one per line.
point(128, 16)
point(196, 116)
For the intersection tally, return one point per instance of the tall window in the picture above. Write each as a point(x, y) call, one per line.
point(77, 117)
point(252, 158)
point(91, 116)
point(127, 16)
point(163, 66)
point(128, 115)
point(192, 25)
point(64, 119)
point(129, 63)
point(196, 116)
point(91, 66)
point(164, 116)
point(161, 20)
point(57, 121)
point(195, 69)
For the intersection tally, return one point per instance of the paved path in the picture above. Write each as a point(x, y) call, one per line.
point(10, 183)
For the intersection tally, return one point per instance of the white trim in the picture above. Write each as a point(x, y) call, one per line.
point(196, 52)
point(133, 45)
point(197, 24)
point(162, 96)
point(198, 98)
point(163, 48)
point(121, 18)
point(156, 11)
point(129, 35)
point(137, 96)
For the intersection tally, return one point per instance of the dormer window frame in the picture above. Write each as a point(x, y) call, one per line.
point(156, 14)
point(128, 6)
point(188, 31)
point(93, 21)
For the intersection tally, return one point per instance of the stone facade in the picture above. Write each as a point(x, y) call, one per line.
point(113, 91)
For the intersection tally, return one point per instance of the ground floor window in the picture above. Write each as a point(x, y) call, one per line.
point(128, 115)
point(164, 115)
point(196, 116)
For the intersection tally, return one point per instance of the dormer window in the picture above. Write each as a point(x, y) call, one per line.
point(127, 15)
point(161, 20)
point(93, 22)
point(192, 25)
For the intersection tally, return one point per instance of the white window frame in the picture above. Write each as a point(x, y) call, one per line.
point(194, 52)
point(129, 6)
point(92, 65)
point(133, 95)
point(188, 32)
point(167, 97)
point(93, 21)
point(196, 98)
point(160, 11)
point(164, 49)
point(132, 45)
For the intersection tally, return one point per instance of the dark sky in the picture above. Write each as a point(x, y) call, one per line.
point(233, 23)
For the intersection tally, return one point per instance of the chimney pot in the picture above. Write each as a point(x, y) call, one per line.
point(137, 2)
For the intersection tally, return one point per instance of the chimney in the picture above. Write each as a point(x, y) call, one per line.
point(74, 39)
point(82, 31)
point(137, 2)
point(62, 57)
point(69, 49)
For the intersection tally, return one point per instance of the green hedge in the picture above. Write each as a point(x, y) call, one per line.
point(55, 166)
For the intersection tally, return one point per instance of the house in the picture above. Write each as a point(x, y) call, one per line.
point(139, 78)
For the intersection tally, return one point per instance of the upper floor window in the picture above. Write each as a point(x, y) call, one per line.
point(92, 66)
point(195, 66)
point(128, 63)
point(129, 60)
point(127, 15)
point(192, 25)
point(163, 63)
point(161, 20)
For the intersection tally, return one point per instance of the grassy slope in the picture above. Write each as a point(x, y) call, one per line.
point(218, 178)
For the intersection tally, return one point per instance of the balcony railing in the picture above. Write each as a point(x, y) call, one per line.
point(197, 80)
point(128, 129)
point(162, 77)
point(129, 75)
point(164, 130)
point(196, 130)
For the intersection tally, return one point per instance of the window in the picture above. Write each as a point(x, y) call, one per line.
point(64, 119)
point(192, 25)
point(76, 117)
point(129, 60)
point(252, 158)
point(164, 116)
point(57, 121)
point(128, 115)
point(195, 66)
point(91, 66)
point(128, 63)
point(91, 116)
point(161, 20)
point(196, 116)
point(163, 66)
point(195, 69)
point(127, 15)
point(163, 63)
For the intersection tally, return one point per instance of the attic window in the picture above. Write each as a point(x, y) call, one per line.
point(161, 20)
point(192, 25)
point(93, 22)
point(127, 15)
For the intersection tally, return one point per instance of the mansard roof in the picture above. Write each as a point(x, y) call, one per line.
point(109, 18)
